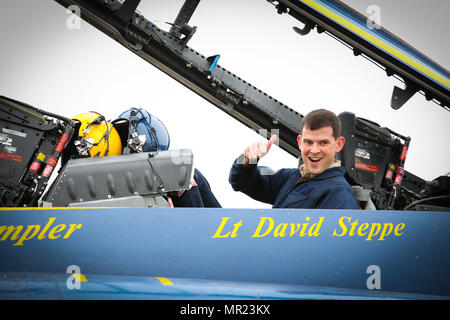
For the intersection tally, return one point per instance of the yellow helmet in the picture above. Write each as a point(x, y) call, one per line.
point(96, 136)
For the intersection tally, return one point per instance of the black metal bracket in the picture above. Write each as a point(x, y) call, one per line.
point(401, 96)
point(127, 9)
point(308, 24)
point(281, 8)
point(180, 26)
point(188, 32)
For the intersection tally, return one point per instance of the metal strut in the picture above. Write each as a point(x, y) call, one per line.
point(180, 26)
point(127, 9)
point(202, 74)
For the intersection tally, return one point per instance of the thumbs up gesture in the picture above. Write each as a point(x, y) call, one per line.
point(258, 150)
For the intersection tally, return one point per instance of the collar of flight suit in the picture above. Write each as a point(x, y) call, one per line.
point(305, 176)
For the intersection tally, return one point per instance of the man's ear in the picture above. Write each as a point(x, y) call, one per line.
point(340, 143)
point(299, 141)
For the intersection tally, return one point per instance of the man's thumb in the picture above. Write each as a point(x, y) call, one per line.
point(272, 140)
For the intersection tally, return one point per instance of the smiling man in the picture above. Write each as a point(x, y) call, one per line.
point(318, 183)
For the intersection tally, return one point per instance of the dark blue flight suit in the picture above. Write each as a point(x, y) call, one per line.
point(199, 196)
point(284, 189)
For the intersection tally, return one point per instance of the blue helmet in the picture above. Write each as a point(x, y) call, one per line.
point(144, 133)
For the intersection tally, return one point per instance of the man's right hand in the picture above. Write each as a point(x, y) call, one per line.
point(258, 150)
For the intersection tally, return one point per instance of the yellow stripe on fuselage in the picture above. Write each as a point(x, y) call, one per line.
point(378, 42)
point(79, 277)
point(164, 281)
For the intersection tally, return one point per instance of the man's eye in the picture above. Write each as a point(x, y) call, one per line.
point(324, 143)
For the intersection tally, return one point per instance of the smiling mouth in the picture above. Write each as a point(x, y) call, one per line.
point(314, 159)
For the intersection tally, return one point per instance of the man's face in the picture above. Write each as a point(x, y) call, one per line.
point(318, 148)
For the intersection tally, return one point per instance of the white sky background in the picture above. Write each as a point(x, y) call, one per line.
point(45, 64)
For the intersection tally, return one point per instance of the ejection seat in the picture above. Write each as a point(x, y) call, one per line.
point(353, 154)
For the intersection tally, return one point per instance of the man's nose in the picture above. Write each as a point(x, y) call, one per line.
point(314, 148)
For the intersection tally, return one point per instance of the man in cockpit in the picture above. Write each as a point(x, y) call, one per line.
point(318, 183)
